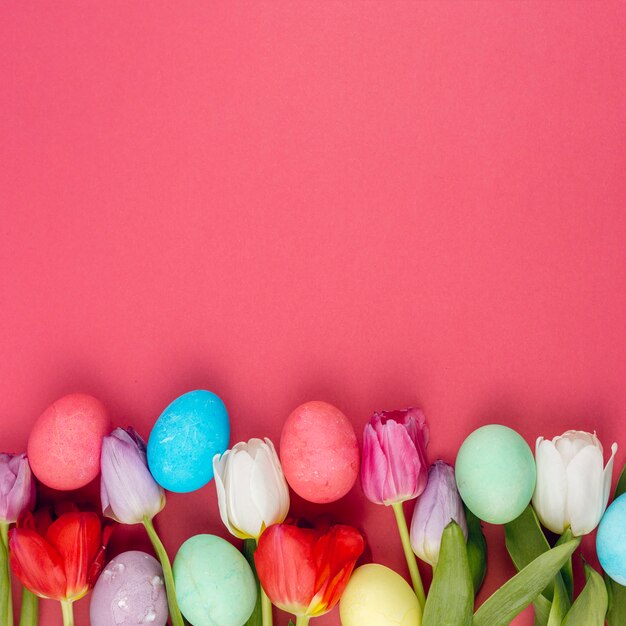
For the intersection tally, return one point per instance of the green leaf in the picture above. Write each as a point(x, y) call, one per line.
point(516, 594)
point(291, 623)
point(476, 550)
point(590, 607)
point(542, 607)
point(450, 601)
point(560, 603)
point(567, 572)
point(249, 548)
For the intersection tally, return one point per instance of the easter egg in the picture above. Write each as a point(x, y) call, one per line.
point(64, 444)
point(319, 452)
point(130, 592)
point(496, 473)
point(377, 596)
point(611, 540)
point(184, 440)
point(215, 585)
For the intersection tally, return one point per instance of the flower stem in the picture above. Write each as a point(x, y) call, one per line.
point(266, 605)
point(302, 620)
point(67, 606)
point(6, 600)
point(411, 561)
point(177, 618)
point(29, 614)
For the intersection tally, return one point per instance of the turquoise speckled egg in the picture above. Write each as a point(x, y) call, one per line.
point(611, 540)
point(184, 440)
point(215, 585)
point(496, 473)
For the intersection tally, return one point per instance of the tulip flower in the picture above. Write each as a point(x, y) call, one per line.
point(573, 485)
point(130, 495)
point(439, 505)
point(17, 495)
point(394, 469)
point(59, 559)
point(127, 489)
point(252, 492)
point(305, 570)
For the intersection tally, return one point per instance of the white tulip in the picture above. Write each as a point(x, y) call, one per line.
point(252, 492)
point(572, 483)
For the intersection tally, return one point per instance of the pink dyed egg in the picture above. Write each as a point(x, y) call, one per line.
point(319, 452)
point(64, 444)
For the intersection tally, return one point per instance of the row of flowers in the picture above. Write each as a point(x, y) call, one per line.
point(306, 568)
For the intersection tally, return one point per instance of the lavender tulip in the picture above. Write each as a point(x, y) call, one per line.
point(435, 509)
point(17, 487)
point(128, 491)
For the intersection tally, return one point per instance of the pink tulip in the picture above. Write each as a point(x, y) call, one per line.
point(394, 467)
point(17, 487)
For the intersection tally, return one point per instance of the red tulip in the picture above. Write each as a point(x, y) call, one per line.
point(303, 570)
point(59, 559)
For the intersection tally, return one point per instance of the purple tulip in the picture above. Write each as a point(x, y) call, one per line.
point(127, 490)
point(437, 507)
point(394, 467)
point(17, 487)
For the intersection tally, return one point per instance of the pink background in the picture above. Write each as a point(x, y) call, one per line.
point(372, 203)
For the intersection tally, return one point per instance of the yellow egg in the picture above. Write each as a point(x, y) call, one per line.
point(377, 596)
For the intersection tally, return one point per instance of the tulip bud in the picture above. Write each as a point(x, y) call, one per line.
point(128, 491)
point(435, 509)
point(394, 468)
point(17, 487)
point(252, 492)
point(572, 483)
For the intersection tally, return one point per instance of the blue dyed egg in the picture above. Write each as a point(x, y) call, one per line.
point(215, 585)
point(184, 440)
point(611, 541)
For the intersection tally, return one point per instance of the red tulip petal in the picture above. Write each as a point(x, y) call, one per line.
point(77, 537)
point(37, 565)
point(284, 562)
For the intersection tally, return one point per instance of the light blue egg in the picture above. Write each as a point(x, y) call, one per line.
point(611, 541)
point(184, 440)
point(215, 585)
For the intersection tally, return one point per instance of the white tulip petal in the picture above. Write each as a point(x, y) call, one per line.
point(265, 489)
point(241, 506)
point(550, 497)
point(219, 470)
point(280, 479)
point(607, 478)
point(572, 442)
point(585, 490)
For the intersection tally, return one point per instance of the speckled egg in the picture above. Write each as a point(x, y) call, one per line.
point(496, 473)
point(377, 596)
point(130, 592)
point(64, 444)
point(215, 585)
point(611, 540)
point(184, 440)
point(319, 452)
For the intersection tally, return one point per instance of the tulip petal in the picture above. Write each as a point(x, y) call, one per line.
point(607, 478)
point(403, 464)
point(37, 564)
point(241, 506)
point(373, 465)
point(77, 538)
point(550, 496)
point(585, 490)
point(570, 443)
point(267, 487)
point(220, 464)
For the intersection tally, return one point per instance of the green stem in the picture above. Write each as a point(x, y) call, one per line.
point(67, 607)
point(266, 605)
point(29, 615)
point(302, 620)
point(411, 561)
point(177, 618)
point(6, 600)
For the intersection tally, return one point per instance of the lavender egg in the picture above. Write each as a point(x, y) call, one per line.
point(130, 592)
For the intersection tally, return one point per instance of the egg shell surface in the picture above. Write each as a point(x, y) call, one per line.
point(495, 473)
point(611, 540)
point(215, 585)
point(188, 434)
point(130, 592)
point(319, 452)
point(65, 442)
point(377, 596)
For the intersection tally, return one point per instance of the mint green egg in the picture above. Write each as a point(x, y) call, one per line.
point(215, 585)
point(495, 473)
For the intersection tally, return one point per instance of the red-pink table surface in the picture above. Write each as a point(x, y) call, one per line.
point(377, 204)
